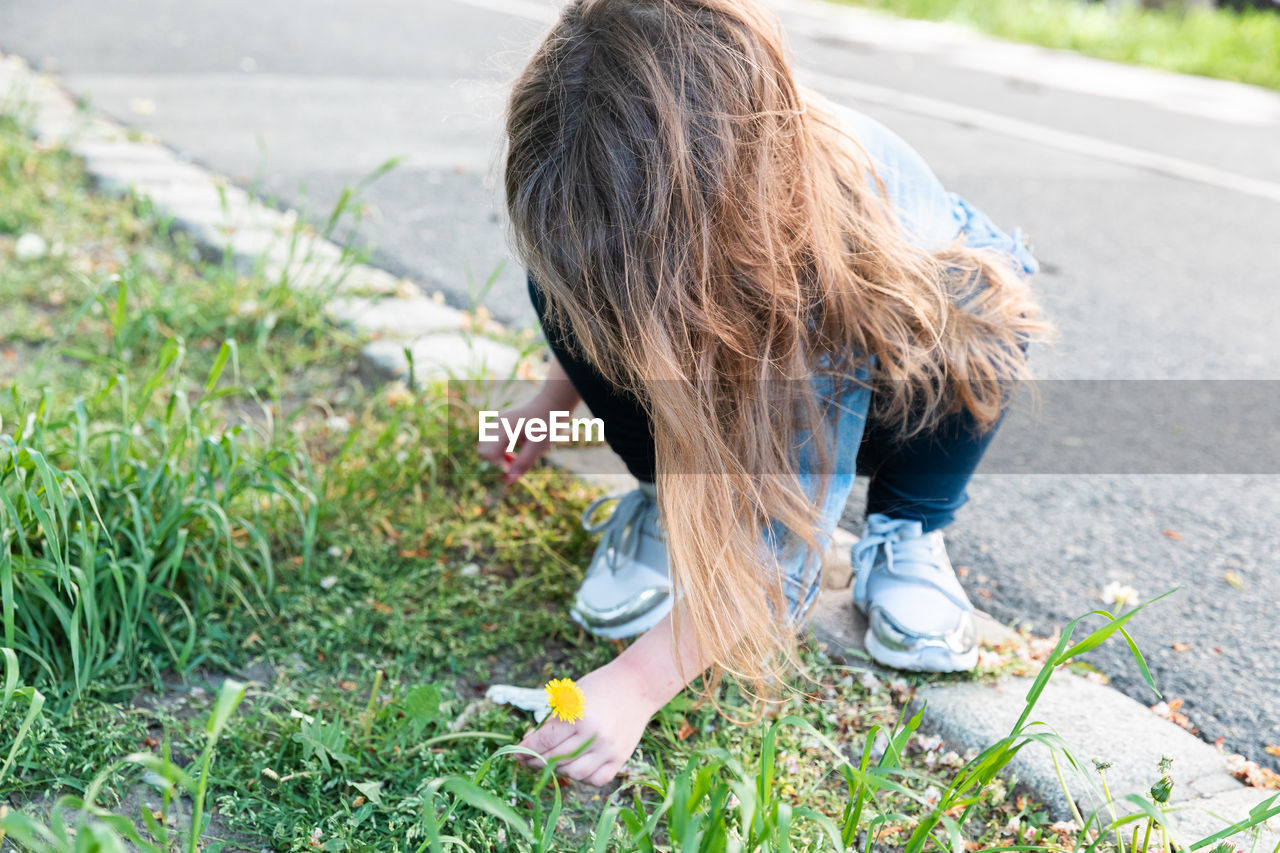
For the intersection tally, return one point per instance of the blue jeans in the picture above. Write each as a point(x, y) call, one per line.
point(923, 477)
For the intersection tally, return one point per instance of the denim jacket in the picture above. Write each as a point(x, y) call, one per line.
point(932, 217)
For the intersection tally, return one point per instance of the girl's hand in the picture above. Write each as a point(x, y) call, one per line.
point(617, 711)
point(527, 452)
point(556, 394)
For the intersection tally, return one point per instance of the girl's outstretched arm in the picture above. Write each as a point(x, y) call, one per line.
point(621, 697)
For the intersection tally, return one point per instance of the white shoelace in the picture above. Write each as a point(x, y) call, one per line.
point(904, 549)
point(622, 528)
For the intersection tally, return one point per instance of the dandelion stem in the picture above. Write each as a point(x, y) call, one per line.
point(1111, 807)
point(1071, 801)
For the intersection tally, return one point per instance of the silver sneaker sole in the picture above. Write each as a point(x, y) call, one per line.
point(635, 627)
point(928, 659)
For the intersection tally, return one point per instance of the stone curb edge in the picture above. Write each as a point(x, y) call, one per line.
point(225, 222)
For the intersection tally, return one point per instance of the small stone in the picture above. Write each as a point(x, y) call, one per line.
point(470, 570)
point(440, 356)
point(395, 318)
point(30, 247)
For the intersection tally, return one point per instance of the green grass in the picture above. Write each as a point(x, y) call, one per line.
point(148, 473)
point(243, 594)
point(1241, 46)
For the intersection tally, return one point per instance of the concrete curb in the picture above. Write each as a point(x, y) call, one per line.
point(227, 223)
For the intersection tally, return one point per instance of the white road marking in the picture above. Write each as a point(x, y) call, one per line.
point(1202, 97)
point(1039, 134)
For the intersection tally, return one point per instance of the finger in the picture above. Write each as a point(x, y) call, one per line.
point(548, 739)
point(563, 753)
point(559, 751)
point(571, 748)
point(537, 746)
point(491, 452)
point(582, 767)
point(603, 774)
point(528, 456)
point(546, 736)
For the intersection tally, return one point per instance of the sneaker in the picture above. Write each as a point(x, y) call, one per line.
point(627, 589)
point(919, 617)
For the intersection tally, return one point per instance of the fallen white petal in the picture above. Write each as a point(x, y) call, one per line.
point(524, 698)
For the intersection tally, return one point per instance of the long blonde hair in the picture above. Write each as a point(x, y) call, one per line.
point(711, 241)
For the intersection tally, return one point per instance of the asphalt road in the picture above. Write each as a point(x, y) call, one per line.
point(1152, 200)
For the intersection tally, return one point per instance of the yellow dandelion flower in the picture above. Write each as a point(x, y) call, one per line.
point(566, 700)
